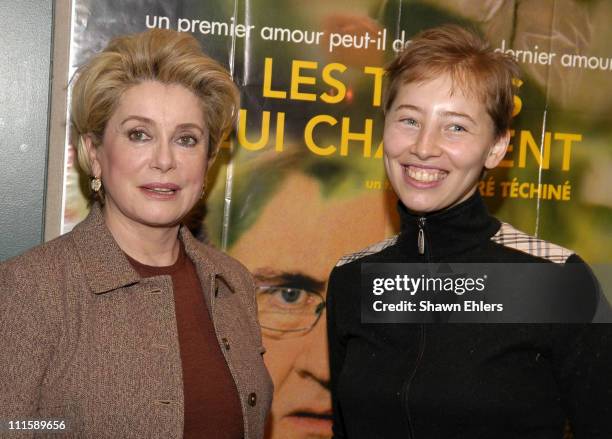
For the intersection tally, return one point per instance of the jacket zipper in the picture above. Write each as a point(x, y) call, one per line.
point(421, 237)
point(406, 389)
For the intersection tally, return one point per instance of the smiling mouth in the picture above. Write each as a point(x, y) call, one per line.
point(160, 190)
point(424, 175)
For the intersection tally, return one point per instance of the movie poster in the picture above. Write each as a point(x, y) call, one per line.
point(301, 182)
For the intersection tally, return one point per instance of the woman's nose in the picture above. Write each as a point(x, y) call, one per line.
point(426, 144)
point(162, 157)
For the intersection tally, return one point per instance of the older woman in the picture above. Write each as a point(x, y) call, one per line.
point(127, 326)
point(447, 113)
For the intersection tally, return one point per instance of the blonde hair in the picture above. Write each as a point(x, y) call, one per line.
point(470, 61)
point(162, 55)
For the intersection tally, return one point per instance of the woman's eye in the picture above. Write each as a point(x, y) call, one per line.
point(138, 136)
point(457, 128)
point(409, 121)
point(187, 140)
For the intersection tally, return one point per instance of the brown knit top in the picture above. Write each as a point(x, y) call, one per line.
point(212, 405)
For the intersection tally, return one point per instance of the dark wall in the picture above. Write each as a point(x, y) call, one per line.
point(25, 60)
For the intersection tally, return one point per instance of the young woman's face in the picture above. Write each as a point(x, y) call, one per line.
point(153, 156)
point(437, 140)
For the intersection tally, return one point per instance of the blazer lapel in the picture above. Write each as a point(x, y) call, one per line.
point(104, 263)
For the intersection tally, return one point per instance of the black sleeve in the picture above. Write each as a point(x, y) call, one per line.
point(337, 351)
point(583, 367)
point(591, 285)
point(583, 363)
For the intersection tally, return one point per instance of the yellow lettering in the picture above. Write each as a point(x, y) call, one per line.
point(378, 73)
point(526, 140)
point(267, 82)
point(379, 151)
point(297, 80)
point(365, 137)
point(265, 131)
point(280, 131)
point(567, 138)
point(518, 103)
point(308, 137)
point(336, 84)
point(554, 192)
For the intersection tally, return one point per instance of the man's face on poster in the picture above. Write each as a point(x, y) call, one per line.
point(291, 249)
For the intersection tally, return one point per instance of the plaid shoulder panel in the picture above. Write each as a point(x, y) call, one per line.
point(370, 250)
point(510, 237)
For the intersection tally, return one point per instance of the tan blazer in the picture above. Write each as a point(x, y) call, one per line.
point(85, 340)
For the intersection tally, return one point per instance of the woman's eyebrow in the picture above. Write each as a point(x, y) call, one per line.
point(408, 107)
point(457, 114)
point(138, 118)
point(188, 125)
point(148, 121)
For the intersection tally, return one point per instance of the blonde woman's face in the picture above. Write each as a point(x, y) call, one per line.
point(153, 156)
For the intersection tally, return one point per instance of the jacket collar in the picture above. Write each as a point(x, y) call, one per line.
point(206, 262)
point(447, 232)
point(107, 268)
point(104, 263)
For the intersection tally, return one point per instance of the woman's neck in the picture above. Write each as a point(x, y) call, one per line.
point(149, 245)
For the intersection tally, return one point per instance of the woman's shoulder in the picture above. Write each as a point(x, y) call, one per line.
point(33, 287)
point(573, 274)
point(521, 243)
point(45, 261)
point(372, 251)
point(346, 274)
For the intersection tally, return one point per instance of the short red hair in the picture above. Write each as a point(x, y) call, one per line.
point(474, 67)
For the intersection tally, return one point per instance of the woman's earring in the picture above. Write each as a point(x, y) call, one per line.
point(96, 184)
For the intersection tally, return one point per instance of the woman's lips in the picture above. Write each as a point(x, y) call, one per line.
point(423, 177)
point(319, 424)
point(160, 191)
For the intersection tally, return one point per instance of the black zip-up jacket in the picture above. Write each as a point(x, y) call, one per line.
point(438, 381)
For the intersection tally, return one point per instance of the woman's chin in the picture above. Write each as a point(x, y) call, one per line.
point(421, 205)
point(157, 219)
point(160, 222)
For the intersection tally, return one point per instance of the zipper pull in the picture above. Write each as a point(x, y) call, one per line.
point(421, 238)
